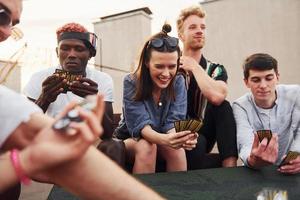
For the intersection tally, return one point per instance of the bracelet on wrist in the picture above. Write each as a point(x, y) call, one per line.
point(14, 157)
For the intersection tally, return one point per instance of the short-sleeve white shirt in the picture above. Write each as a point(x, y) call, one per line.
point(33, 88)
point(14, 109)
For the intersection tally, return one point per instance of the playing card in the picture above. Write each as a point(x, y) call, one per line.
point(73, 77)
point(180, 125)
point(291, 155)
point(177, 125)
point(199, 124)
point(183, 124)
point(190, 124)
point(193, 125)
point(264, 134)
point(68, 76)
point(61, 72)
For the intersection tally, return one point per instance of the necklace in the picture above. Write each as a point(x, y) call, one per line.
point(157, 100)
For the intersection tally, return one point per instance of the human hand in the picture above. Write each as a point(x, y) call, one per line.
point(52, 86)
point(292, 167)
point(51, 149)
point(188, 64)
point(263, 154)
point(24, 134)
point(83, 87)
point(176, 140)
point(191, 143)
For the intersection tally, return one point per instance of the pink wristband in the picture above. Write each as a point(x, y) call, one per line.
point(14, 156)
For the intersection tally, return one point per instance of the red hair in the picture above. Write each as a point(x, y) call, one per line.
point(71, 27)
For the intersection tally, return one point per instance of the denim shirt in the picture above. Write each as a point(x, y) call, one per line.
point(282, 119)
point(138, 114)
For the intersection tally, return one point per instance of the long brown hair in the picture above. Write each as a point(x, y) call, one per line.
point(144, 84)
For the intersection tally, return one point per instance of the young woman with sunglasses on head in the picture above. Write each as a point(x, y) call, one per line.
point(154, 98)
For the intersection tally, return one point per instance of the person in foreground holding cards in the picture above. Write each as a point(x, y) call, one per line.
point(268, 118)
point(154, 98)
point(32, 147)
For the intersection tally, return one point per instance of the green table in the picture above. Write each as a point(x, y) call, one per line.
point(239, 183)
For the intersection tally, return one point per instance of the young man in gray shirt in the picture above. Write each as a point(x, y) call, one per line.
point(269, 106)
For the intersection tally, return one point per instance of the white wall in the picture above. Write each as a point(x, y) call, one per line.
point(239, 28)
point(13, 78)
point(120, 39)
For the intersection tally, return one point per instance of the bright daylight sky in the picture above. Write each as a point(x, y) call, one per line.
point(40, 18)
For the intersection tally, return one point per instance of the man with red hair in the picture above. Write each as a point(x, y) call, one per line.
point(53, 91)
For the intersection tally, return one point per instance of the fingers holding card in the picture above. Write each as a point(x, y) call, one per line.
point(264, 134)
point(291, 155)
point(68, 76)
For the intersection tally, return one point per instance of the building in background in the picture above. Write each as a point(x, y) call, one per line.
point(18, 61)
point(120, 37)
point(235, 29)
point(238, 28)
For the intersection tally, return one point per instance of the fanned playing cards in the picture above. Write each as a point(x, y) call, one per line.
point(193, 125)
point(68, 76)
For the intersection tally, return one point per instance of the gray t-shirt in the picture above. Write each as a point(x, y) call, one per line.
point(14, 109)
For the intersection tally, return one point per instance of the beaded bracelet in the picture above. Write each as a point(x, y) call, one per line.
point(14, 156)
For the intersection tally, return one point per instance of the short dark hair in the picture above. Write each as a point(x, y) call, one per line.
point(260, 62)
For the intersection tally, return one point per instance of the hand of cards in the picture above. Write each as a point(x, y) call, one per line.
point(272, 194)
point(68, 76)
point(193, 125)
point(264, 134)
point(89, 103)
point(291, 155)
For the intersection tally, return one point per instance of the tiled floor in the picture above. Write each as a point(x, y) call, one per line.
point(36, 191)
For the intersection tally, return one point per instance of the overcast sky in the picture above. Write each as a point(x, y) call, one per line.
point(41, 18)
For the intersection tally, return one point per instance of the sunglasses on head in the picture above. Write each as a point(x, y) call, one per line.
point(170, 42)
point(5, 19)
point(93, 39)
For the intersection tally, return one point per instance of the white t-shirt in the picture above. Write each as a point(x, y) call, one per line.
point(33, 88)
point(14, 109)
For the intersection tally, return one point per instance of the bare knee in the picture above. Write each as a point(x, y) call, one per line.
point(175, 159)
point(230, 162)
point(145, 151)
point(174, 154)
